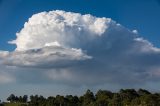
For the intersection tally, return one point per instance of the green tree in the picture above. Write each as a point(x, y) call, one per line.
point(148, 100)
point(33, 100)
point(143, 92)
point(127, 95)
point(20, 99)
point(50, 101)
point(11, 98)
point(103, 97)
point(72, 100)
point(60, 100)
point(88, 98)
point(136, 102)
point(24, 98)
point(116, 100)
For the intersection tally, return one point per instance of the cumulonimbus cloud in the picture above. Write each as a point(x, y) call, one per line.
point(83, 49)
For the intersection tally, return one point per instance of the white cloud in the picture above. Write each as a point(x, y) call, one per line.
point(48, 56)
point(71, 48)
point(66, 28)
point(135, 31)
point(3, 54)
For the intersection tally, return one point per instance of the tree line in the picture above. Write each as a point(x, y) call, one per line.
point(125, 97)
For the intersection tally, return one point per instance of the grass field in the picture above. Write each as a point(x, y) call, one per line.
point(14, 104)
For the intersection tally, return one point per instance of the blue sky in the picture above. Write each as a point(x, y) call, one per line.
point(76, 51)
point(142, 15)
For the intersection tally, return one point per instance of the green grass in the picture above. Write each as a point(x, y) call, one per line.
point(13, 104)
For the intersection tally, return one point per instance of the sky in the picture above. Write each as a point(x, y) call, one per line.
point(59, 47)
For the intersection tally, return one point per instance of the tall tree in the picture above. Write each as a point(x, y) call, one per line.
point(60, 100)
point(103, 97)
point(127, 95)
point(11, 98)
point(116, 100)
point(24, 98)
point(88, 98)
point(143, 92)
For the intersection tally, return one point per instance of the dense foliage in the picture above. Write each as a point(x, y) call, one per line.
point(125, 97)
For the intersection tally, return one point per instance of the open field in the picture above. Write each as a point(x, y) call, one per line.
point(14, 104)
